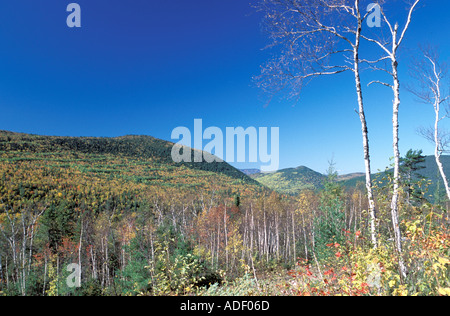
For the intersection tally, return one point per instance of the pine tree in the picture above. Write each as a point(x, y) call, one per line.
point(409, 167)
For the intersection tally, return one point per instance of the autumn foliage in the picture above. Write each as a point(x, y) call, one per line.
point(139, 226)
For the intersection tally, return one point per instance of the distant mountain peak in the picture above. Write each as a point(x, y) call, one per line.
point(250, 171)
point(291, 180)
point(135, 146)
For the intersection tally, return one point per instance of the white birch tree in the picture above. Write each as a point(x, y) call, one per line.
point(430, 88)
point(318, 38)
point(19, 231)
point(389, 50)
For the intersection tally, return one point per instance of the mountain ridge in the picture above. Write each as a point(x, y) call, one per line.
point(133, 146)
point(284, 180)
point(291, 180)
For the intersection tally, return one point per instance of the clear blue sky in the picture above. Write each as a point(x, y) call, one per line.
point(149, 66)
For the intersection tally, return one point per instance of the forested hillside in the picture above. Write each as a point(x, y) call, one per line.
point(292, 180)
point(92, 196)
point(134, 147)
point(264, 84)
point(137, 224)
point(426, 171)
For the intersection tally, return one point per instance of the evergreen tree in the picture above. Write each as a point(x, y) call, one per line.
point(409, 167)
point(330, 225)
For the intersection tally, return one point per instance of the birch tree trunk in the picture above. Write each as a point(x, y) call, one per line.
point(293, 239)
point(79, 251)
point(395, 195)
point(429, 74)
point(225, 231)
point(322, 26)
point(437, 152)
point(441, 170)
point(435, 86)
point(365, 133)
point(391, 54)
point(304, 237)
point(1, 270)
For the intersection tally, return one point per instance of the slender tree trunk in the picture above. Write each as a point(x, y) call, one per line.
point(245, 239)
point(277, 233)
point(103, 263)
point(225, 235)
point(437, 140)
point(265, 245)
point(94, 263)
point(365, 133)
point(293, 239)
point(23, 254)
point(108, 281)
point(441, 171)
point(45, 274)
point(7, 274)
point(30, 255)
point(304, 237)
point(79, 251)
point(395, 125)
point(211, 247)
point(252, 229)
point(1, 271)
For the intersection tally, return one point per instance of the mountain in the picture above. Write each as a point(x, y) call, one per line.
point(430, 172)
point(350, 176)
point(147, 160)
point(140, 159)
point(291, 180)
point(294, 180)
point(250, 171)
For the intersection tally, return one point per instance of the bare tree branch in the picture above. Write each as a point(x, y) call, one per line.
point(429, 75)
point(380, 82)
point(317, 38)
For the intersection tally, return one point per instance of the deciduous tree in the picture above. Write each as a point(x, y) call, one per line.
point(431, 88)
point(318, 38)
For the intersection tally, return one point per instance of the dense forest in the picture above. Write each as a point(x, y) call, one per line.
point(139, 225)
point(117, 216)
